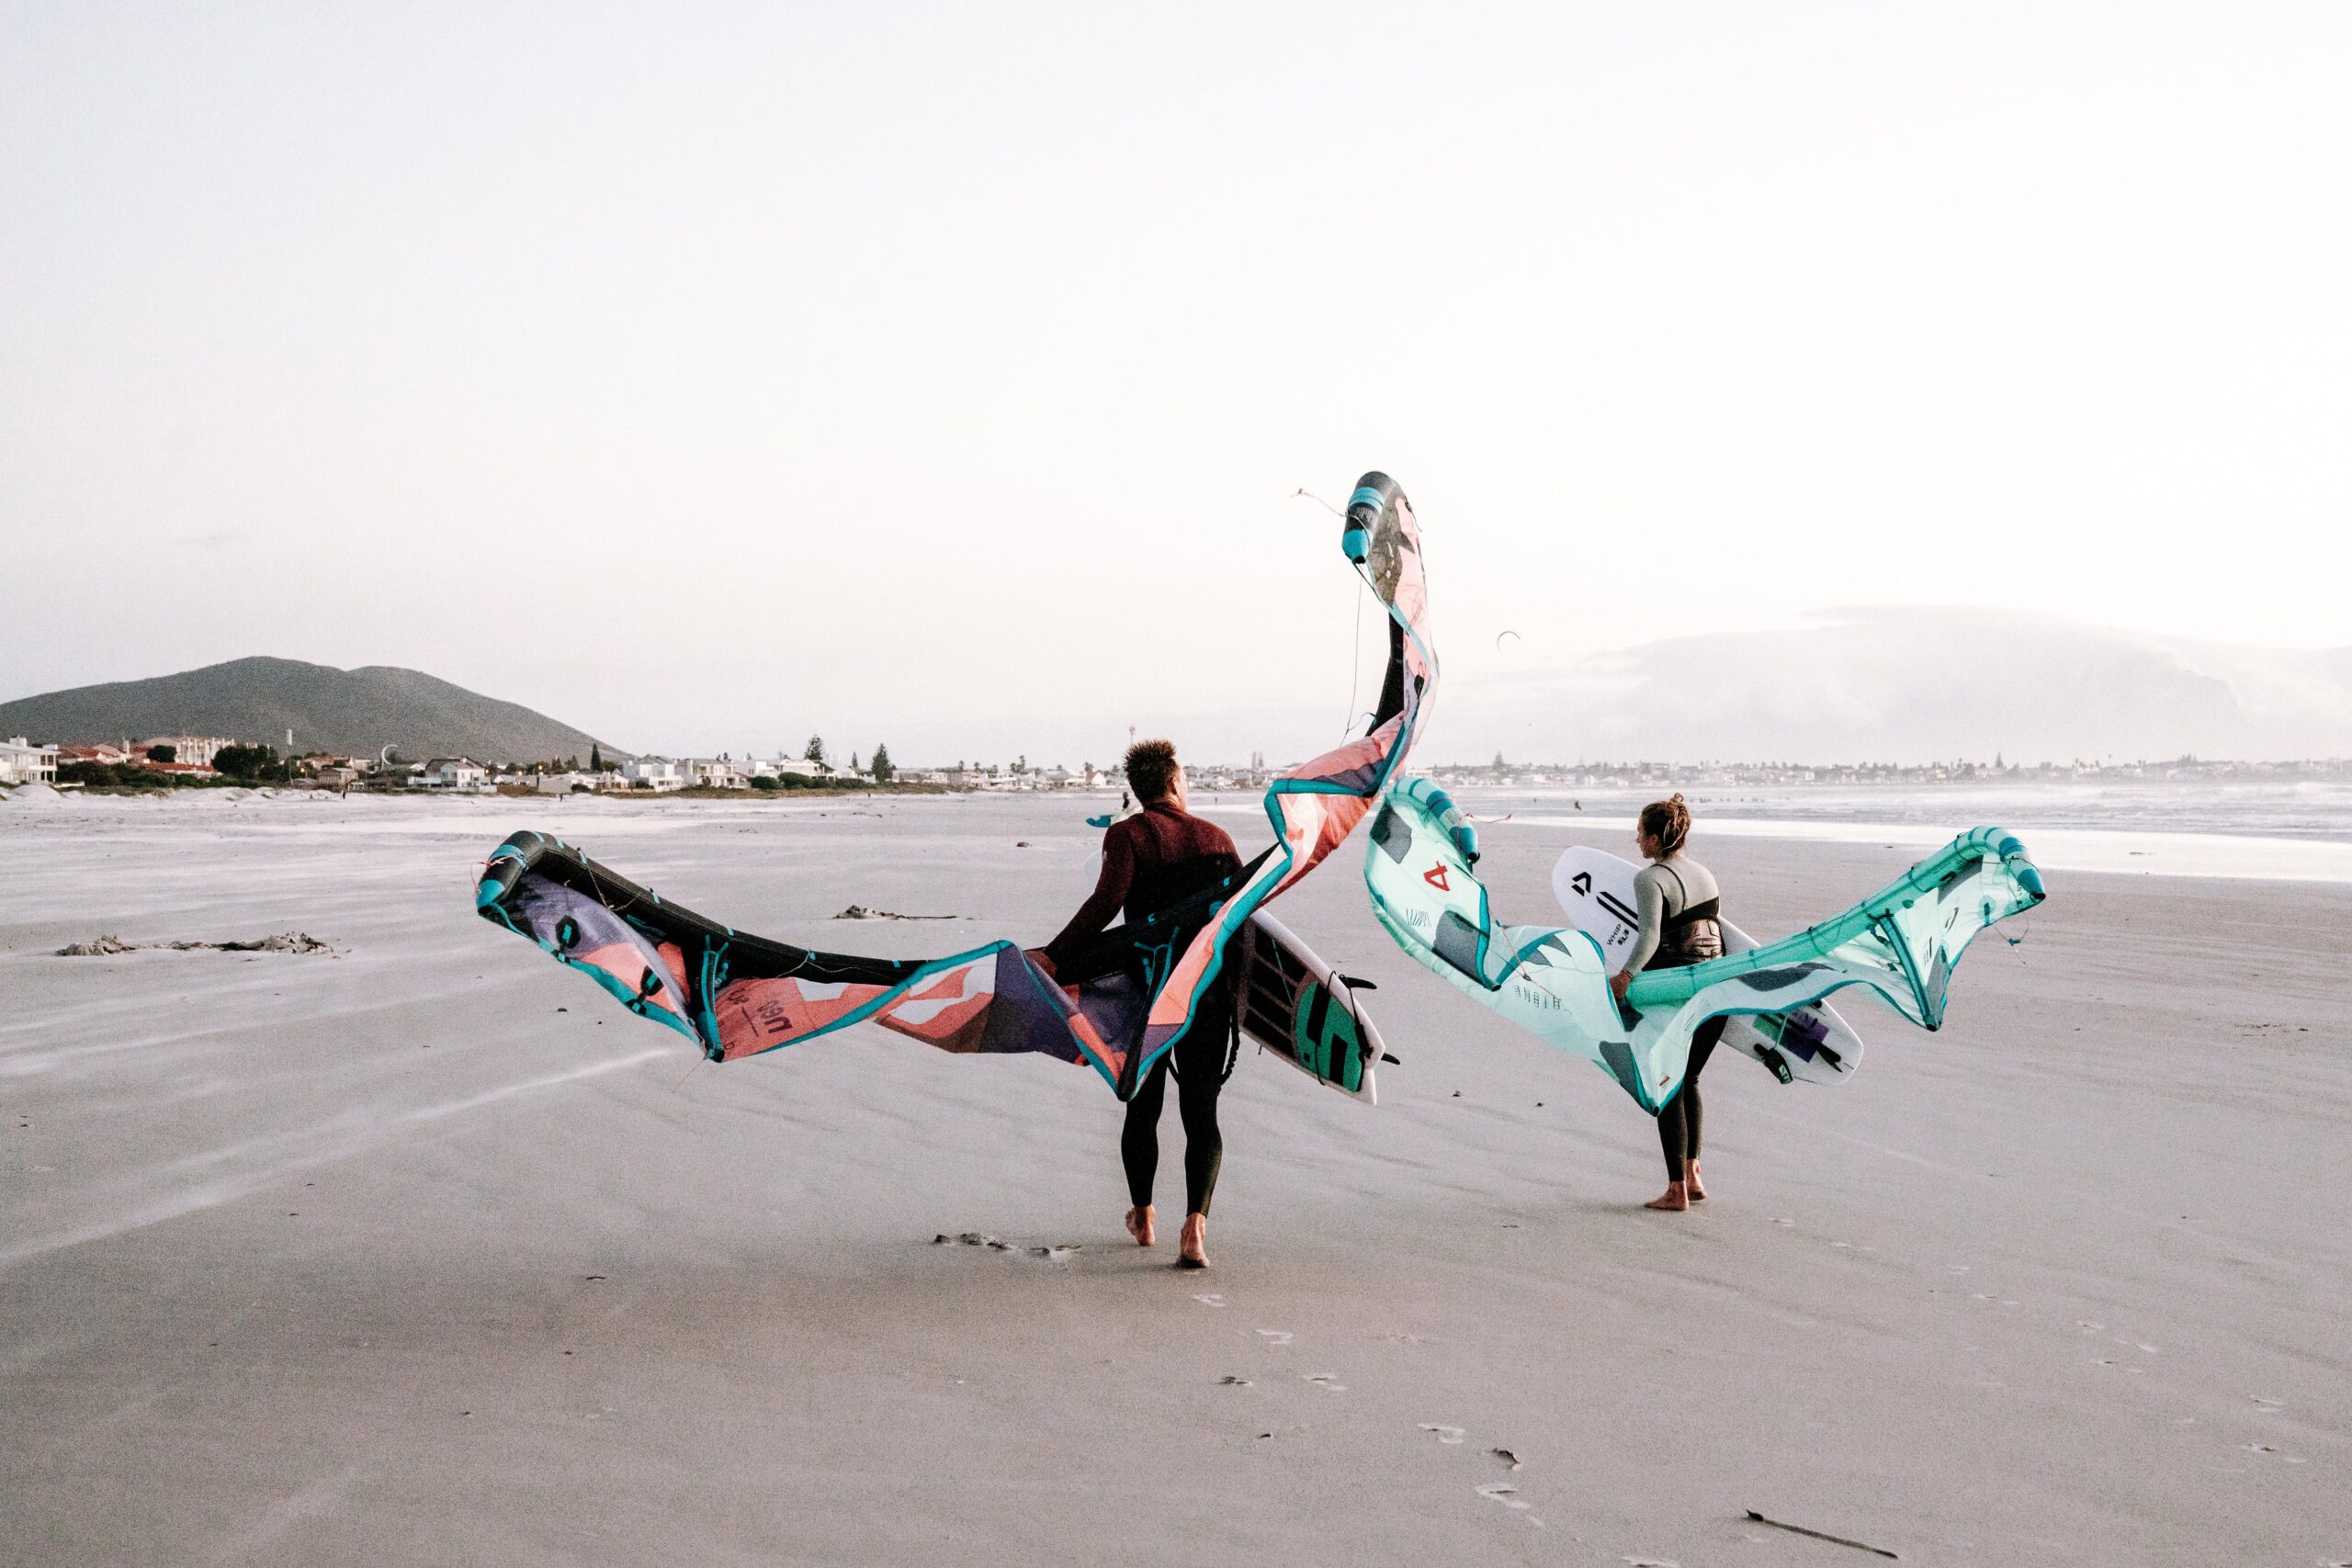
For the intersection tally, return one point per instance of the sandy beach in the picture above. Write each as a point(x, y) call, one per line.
point(425, 1251)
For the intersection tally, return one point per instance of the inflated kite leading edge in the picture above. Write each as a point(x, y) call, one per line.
point(1901, 942)
point(1118, 1004)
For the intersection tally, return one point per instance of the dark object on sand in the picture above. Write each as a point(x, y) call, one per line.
point(285, 941)
point(860, 912)
point(1832, 1539)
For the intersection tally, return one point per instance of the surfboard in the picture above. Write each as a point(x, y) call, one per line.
point(1596, 892)
point(1296, 1008)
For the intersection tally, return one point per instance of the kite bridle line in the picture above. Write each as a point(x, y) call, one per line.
point(1355, 641)
point(1355, 657)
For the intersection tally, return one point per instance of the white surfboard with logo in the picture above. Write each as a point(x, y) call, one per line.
point(1596, 892)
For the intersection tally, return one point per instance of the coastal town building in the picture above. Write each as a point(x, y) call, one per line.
point(720, 774)
point(800, 767)
point(457, 776)
point(22, 763)
point(658, 774)
point(189, 750)
point(567, 783)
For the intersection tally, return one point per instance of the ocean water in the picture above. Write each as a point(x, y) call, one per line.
point(2303, 810)
point(2287, 831)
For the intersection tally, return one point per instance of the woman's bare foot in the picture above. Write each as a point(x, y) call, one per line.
point(1139, 1225)
point(1194, 1244)
point(1677, 1197)
point(1690, 1183)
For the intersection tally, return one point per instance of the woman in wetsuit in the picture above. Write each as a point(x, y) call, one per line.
point(1680, 911)
point(1152, 862)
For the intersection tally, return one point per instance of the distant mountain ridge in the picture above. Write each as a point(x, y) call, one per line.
point(1914, 685)
point(349, 712)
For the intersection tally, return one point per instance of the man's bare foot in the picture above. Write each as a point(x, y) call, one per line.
point(1675, 1198)
point(1194, 1244)
point(1139, 1225)
point(1690, 1183)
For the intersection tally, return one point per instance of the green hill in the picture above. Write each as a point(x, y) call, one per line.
point(354, 712)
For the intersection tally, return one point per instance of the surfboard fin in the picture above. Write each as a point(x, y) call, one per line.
point(1352, 982)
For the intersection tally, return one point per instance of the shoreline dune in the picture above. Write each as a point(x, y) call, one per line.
point(426, 1251)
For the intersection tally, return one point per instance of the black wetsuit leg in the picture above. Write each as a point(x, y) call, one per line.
point(1680, 1123)
point(1199, 1059)
point(1139, 1139)
point(1200, 1080)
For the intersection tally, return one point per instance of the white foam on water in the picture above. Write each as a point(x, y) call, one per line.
point(2052, 849)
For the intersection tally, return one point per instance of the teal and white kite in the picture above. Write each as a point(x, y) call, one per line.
point(1901, 942)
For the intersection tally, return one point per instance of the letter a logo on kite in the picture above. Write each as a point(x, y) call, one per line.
point(1435, 877)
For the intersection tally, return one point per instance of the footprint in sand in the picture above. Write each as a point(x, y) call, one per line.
point(2265, 1403)
point(1502, 1492)
point(1446, 1435)
point(1328, 1381)
point(972, 1238)
point(2269, 1449)
point(1210, 1301)
point(1229, 1380)
point(1274, 1335)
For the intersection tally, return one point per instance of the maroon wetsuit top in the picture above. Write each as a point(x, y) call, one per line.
point(1151, 861)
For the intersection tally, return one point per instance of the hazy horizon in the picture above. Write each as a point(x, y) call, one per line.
point(713, 378)
point(1908, 686)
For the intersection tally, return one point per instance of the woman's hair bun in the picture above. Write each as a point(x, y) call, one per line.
point(1667, 821)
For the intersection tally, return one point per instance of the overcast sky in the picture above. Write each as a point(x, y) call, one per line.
point(708, 376)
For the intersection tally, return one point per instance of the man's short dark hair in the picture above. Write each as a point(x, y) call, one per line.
point(1151, 768)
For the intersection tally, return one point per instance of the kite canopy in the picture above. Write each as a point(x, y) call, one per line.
point(1901, 942)
point(1120, 1002)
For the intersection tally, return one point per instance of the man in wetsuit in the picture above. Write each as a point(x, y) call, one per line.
point(1151, 861)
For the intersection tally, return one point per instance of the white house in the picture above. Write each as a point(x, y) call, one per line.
point(564, 783)
point(22, 763)
point(460, 775)
point(658, 774)
point(708, 775)
point(193, 750)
